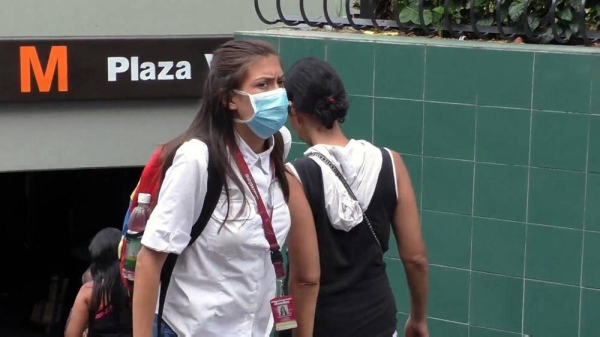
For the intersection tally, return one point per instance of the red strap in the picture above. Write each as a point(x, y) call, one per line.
point(276, 256)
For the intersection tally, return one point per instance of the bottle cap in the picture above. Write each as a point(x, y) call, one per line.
point(144, 198)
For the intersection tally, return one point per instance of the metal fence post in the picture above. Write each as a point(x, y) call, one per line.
point(366, 8)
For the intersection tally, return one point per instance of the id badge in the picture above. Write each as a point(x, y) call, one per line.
point(284, 313)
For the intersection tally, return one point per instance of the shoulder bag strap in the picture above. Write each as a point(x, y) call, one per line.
point(213, 192)
point(350, 192)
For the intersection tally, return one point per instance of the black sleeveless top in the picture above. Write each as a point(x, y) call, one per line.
point(355, 298)
point(109, 323)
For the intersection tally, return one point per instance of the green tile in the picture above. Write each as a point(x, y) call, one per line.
point(292, 50)
point(359, 123)
point(572, 72)
point(395, 272)
point(591, 260)
point(498, 246)
point(553, 254)
point(401, 319)
point(354, 62)
point(590, 310)
point(592, 209)
point(500, 308)
point(448, 238)
point(595, 106)
point(393, 248)
point(556, 198)
point(449, 77)
point(296, 151)
point(482, 332)
point(399, 125)
point(447, 185)
point(448, 294)
point(274, 41)
point(446, 329)
point(500, 191)
point(551, 310)
point(594, 146)
point(506, 84)
point(503, 135)
point(414, 165)
point(392, 79)
point(295, 138)
point(449, 131)
point(559, 140)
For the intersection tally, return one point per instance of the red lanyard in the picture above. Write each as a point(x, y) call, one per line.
point(276, 256)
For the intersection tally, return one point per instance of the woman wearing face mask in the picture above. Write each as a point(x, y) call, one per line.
point(223, 282)
point(356, 192)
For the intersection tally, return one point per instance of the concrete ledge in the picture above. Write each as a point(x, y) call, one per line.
point(404, 40)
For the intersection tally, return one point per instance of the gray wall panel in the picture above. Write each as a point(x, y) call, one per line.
point(87, 134)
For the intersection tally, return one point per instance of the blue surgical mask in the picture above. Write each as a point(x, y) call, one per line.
point(270, 112)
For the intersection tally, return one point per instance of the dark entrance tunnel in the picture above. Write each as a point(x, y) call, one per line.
point(48, 219)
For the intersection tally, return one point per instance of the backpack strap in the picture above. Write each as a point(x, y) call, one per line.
point(213, 192)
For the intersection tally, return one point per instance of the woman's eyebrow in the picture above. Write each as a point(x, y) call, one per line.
point(269, 77)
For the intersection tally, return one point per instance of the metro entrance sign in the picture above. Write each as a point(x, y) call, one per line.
point(71, 69)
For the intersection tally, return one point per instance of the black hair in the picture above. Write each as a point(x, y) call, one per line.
point(108, 290)
point(316, 89)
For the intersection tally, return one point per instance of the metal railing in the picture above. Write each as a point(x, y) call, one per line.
point(535, 21)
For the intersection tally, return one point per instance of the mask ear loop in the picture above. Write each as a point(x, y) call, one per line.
point(239, 92)
point(252, 103)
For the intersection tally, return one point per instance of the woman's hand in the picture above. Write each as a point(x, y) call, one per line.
point(415, 329)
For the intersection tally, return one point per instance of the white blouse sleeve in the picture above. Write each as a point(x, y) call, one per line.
point(180, 200)
point(287, 141)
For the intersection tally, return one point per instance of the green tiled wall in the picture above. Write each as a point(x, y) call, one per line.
point(503, 146)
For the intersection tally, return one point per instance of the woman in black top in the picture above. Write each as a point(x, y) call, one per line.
point(356, 192)
point(103, 304)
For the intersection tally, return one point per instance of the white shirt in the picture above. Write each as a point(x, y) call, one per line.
point(222, 284)
point(359, 162)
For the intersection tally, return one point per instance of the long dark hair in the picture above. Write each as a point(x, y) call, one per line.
point(108, 290)
point(214, 122)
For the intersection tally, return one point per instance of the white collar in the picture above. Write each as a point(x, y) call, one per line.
point(263, 159)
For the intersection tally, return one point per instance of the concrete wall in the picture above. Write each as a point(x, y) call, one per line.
point(88, 134)
point(102, 134)
point(502, 142)
point(133, 17)
point(138, 17)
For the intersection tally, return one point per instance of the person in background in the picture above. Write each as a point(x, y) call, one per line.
point(87, 276)
point(356, 192)
point(102, 306)
point(223, 282)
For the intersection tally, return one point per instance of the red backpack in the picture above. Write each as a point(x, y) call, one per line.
point(150, 182)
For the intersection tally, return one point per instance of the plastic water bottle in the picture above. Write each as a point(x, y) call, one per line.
point(137, 224)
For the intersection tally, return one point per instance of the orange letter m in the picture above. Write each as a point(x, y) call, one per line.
point(44, 78)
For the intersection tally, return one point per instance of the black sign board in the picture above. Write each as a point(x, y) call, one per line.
point(104, 68)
